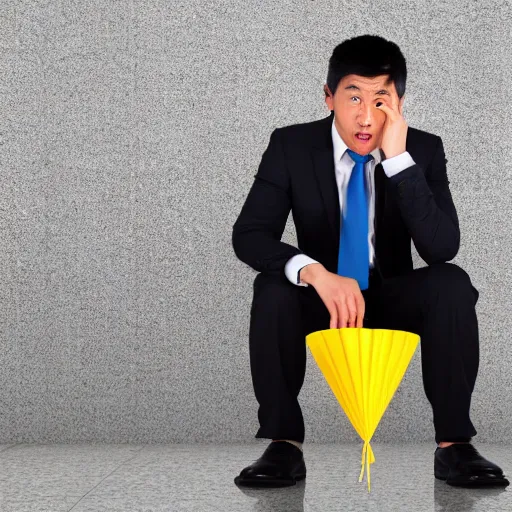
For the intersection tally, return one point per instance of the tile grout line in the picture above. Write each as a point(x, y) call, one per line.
point(106, 476)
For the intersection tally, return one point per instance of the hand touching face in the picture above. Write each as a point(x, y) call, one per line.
point(394, 134)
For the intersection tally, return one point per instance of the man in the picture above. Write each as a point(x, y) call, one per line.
point(361, 185)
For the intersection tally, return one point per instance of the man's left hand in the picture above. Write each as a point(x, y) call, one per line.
point(395, 127)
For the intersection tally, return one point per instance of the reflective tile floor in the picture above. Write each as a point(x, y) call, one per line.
point(197, 478)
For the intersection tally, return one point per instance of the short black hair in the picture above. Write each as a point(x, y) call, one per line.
point(368, 56)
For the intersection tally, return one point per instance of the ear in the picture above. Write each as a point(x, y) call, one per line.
point(329, 100)
point(401, 104)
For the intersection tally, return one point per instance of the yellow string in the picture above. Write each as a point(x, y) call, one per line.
point(368, 457)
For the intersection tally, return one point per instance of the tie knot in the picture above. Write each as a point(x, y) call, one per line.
point(360, 159)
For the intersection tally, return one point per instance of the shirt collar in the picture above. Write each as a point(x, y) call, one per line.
point(340, 147)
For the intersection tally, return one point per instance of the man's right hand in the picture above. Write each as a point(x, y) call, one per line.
point(341, 295)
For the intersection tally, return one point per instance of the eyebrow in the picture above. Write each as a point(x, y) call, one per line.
point(379, 93)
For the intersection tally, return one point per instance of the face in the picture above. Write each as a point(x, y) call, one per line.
point(355, 110)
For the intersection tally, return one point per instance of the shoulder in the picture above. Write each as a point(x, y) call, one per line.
point(305, 134)
point(423, 146)
point(419, 137)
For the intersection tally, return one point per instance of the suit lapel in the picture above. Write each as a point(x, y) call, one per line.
point(325, 174)
point(323, 164)
point(380, 196)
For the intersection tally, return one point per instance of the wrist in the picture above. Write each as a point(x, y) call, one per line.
point(391, 154)
point(310, 273)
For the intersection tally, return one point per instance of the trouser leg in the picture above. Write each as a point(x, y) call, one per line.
point(438, 303)
point(282, 314)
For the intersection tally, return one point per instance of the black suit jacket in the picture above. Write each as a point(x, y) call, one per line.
point(297, 173)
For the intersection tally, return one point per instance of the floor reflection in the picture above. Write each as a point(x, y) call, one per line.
point(460, 499)
point(283, 499)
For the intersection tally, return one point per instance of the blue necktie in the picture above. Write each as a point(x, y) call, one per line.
point(353, 255)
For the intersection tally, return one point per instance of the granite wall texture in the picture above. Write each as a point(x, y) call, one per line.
point(130, 133)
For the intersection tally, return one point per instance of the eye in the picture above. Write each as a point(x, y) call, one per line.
point(354, 97)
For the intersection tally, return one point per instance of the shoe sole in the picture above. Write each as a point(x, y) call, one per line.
point(484, 480)
point(268, 482)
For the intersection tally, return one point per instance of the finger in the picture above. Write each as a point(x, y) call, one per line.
point(392, 103)
point(386, 109)
point(339, 312)
point(361, 308)
point(394, 99)
point(352, 311)
point(333, 311)
point(343, 313)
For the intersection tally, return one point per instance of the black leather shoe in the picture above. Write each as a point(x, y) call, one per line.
point(462, 465)
point(281, 465)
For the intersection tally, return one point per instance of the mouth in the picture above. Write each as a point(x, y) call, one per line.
point(363, 137)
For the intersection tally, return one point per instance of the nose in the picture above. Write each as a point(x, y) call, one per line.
point(365, 115)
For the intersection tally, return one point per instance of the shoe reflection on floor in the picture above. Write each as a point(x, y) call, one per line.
point(449, 498)
point(281, 499)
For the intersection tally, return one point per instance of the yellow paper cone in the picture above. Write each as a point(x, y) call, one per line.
point(363, 367)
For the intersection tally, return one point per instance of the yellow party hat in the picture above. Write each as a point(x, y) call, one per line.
point(364, 368)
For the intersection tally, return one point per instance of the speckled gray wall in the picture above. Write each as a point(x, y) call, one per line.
point(130, 133)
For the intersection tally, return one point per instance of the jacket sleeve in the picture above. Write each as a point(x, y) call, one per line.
point(257, 232)
point(427, 208)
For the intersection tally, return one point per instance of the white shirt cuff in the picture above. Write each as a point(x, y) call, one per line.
point(397, 163)
point(293, 266)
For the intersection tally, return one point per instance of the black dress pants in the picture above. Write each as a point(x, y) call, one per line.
point(437, 302)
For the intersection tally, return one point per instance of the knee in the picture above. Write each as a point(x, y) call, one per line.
point(450, 279)
point(448, 273)
point(274, 289)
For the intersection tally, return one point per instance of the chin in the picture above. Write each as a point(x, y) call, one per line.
point(364, 149)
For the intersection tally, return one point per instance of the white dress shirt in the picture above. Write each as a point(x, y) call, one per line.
point(343, 165)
